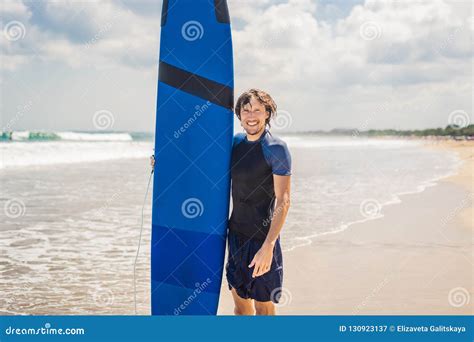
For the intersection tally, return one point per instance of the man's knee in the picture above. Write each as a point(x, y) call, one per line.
point(264, 308)
point(240, 310)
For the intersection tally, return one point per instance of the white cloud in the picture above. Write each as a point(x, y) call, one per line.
point(379, 48)
point(97, 34)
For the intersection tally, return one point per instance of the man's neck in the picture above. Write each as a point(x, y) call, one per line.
point(255, 137)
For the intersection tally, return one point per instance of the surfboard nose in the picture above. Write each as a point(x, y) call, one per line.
point(221, 10)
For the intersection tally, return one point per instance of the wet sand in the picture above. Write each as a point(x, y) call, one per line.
point(416, 259)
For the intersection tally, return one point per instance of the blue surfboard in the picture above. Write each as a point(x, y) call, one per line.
point(193, 141)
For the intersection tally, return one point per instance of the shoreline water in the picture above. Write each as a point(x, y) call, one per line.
point(396, 199)
point(464, 176)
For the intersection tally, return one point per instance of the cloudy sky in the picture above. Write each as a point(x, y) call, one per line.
point(328, 63)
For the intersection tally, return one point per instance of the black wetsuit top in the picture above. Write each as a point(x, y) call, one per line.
point(253, 165)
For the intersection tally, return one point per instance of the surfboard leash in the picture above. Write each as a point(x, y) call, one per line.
point(139, 244)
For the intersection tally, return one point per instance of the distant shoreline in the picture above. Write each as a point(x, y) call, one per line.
point(453, 130)
point(450, 132)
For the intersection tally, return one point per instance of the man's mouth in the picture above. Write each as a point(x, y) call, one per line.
point(252, 123)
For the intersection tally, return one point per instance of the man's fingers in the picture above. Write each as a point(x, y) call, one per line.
point(260, 266)
point(263, 270)
point(267, 269)
point(256, 271)
point(260, 270)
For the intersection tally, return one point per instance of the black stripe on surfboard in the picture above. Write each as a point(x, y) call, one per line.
point(196, 85)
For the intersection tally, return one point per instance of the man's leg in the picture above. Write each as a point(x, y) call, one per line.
point(242, 306)
point(265, 308)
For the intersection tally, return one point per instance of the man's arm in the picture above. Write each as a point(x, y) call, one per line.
point(264, 257)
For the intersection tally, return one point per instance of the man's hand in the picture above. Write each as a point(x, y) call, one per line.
point(152, 162)
point(262, 260)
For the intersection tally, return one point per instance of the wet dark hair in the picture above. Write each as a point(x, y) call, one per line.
point(261, 96)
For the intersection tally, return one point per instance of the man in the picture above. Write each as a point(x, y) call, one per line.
point(261, 169)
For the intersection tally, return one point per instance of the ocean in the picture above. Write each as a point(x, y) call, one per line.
point(73, 201)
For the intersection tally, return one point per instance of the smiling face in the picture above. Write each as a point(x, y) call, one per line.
point(253, 117)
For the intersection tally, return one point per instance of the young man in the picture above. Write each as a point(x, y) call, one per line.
point(261, 169)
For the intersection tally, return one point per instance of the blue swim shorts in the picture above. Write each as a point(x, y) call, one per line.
point(264, 288)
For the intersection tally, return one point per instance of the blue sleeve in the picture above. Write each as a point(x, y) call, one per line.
point(278, 157)
point(238, 138)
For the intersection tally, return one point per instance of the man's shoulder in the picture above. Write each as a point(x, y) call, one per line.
point(238, 138)
point(277, 155)
point(274, 143)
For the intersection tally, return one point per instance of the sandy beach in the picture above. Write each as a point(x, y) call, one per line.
point(416, 259)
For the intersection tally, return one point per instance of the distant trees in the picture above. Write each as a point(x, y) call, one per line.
point(448, 131)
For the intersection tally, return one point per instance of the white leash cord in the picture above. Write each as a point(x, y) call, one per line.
point(139, 244)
